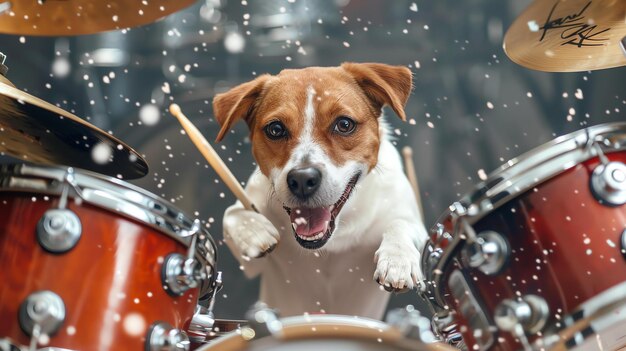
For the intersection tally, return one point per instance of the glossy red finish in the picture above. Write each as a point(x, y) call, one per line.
point(565, 248)
point(110, 281)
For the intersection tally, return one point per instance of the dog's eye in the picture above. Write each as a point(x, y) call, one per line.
point(344, 125)
point(275, 130)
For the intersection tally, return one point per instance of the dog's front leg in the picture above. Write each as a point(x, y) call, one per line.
point(398, 258)
point(252, 234)
point(249, 234)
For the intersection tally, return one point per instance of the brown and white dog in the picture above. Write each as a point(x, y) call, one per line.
point(332, 196)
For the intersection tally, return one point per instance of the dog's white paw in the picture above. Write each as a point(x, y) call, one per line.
point(251, 232)
point(398, 269)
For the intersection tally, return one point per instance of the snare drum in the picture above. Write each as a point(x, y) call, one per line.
point(321, 332)
point(533, 258)
point(90, 262)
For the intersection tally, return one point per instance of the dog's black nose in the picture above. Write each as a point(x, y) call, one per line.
point(303, 182)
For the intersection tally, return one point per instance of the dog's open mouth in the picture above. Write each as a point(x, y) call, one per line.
point(313, 227)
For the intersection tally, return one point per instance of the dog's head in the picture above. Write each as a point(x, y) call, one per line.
point(315, 133)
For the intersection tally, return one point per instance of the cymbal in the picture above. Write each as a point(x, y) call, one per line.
point(569, 35)
point(36, 131)
point(74, 17)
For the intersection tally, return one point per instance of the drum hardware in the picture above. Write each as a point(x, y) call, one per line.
point(438, 230)
point(534, 202)
point(411, 324)
point(3, 68)
point(43, 312)
point(623, 242)
point(59, 229)
point(204, 320)
point(262, 321)
point(446, 329)
point(488, 253)
point(180, 273)
point(608, 183)
point(454, 338)
point(430, 257)
point(471, 309)
point(440, 234)
point(584, 325)
point(163, 337)
point(530, 311)
point(463, 233)
point(7, 344)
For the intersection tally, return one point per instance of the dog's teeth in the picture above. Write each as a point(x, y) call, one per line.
point(293, 225)
point(312, 238)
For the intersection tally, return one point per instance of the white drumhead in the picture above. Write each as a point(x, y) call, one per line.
point(323, 332)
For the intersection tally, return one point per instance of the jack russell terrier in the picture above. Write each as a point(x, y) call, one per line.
point(332, 196)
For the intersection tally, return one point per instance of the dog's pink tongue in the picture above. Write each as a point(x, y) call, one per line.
point(310, 221)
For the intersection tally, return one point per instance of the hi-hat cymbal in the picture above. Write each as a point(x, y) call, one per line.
point(36, 131)
point(569, 35)
point(74, 17)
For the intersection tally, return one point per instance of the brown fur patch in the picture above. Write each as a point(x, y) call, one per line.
point(358, 91)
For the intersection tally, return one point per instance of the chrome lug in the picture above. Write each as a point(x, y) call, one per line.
point(59, 230)
point(608, 183)
point(531, 312)
point(44, 309)
point(163, 337)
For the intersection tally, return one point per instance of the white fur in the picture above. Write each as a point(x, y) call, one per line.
point(335, 178)
point(379, 235)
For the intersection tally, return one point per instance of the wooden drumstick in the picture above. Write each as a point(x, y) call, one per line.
point(409, 168)
point(213, 158)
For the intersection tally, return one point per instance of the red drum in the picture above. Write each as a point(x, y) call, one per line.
point(94, 263)
point(533, 258)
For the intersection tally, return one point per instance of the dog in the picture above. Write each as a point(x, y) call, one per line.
point(333, 202)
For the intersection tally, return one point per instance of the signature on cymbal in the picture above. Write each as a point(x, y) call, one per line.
point(575, 30)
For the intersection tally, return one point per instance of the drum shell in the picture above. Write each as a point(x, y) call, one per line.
point(565, 248)
point(110, 282)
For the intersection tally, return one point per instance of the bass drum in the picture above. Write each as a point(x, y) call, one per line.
point(321, 332)
point(533, 258)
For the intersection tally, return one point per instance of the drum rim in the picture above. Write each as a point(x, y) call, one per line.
point(292, 324)
point(514, 177)
point(94, 185)
point(600, 309)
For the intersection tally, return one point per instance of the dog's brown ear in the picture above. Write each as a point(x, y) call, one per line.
point(237, 103)
point(383, 84)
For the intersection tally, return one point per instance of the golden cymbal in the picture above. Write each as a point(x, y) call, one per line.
point(74, 17)
point(569, 35)
point(36, 131)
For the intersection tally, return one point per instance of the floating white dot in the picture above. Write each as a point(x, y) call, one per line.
point(101, 153)
point(134, 324)
point(149, 114)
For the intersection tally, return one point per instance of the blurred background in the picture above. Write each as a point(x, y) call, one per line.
point(472, 109)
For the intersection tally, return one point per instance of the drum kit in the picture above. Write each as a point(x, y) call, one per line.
point(531, 259)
